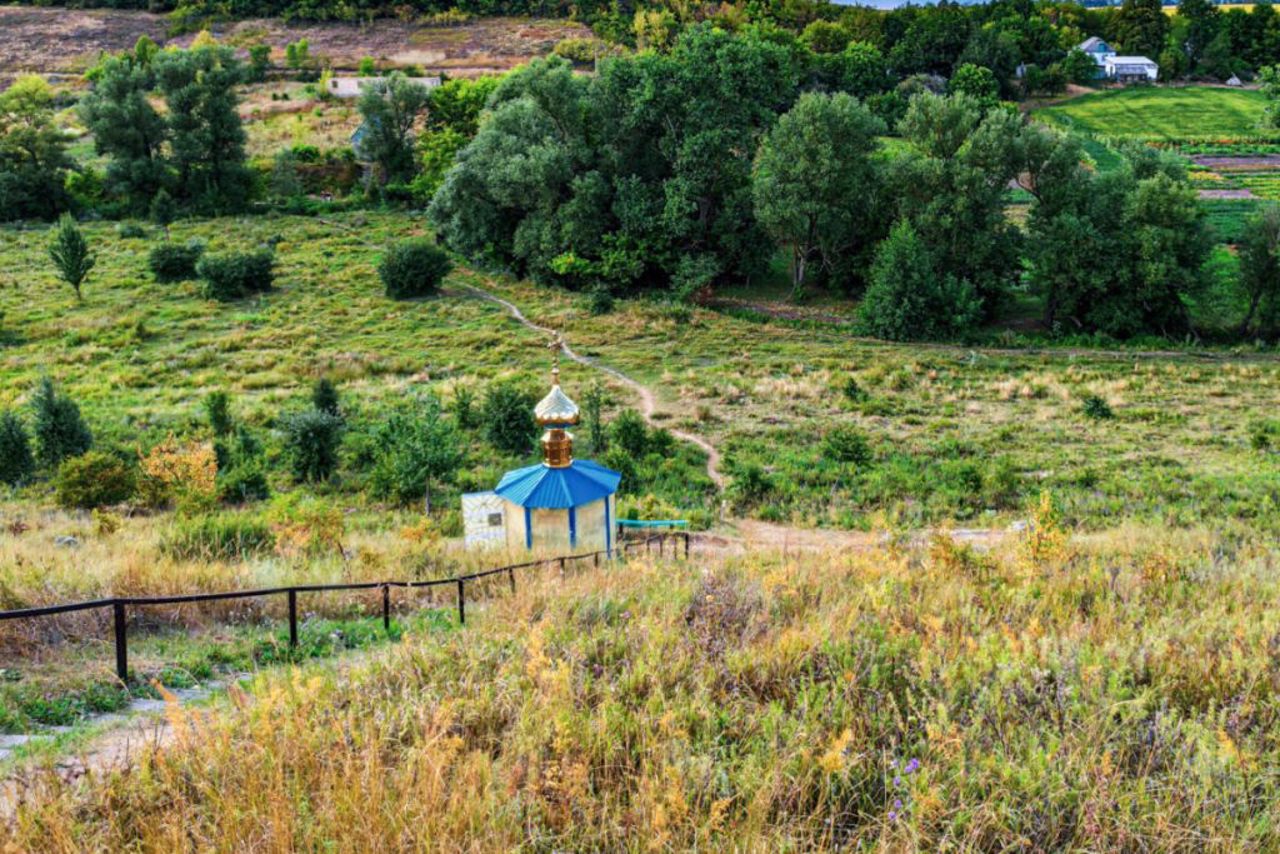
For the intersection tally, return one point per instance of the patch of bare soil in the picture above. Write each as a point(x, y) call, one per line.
point(1227, 194)
point(69, 40)
point(1228, 163)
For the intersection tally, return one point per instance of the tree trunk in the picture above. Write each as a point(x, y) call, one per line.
point(426, 498)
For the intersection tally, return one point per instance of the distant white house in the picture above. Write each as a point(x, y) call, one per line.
point(351, 87)
point(1122, 69)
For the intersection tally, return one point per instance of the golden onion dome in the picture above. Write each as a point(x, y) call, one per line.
point(556, 407)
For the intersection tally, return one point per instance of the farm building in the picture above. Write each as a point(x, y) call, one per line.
point(351, 87)
point(560, 503)
point(1122, 69)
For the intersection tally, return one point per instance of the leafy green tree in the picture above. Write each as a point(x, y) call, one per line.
point(60, 431)
point(285, 182)
point(593, 418)
point(825, 37)
point(17, 463)
point(390, 108)
point(910, 298)
point(978, 83)
point(861, 70)
point(217, 410)
point(950, 185)
point(127, 129)
point(456, 104)
point(630, 434)
point(311, 442)
point(413, 451)
point(1079, 67)
point(259, 62)
point(507, 415)
point(815, 184)
point(1269, 78)
point(1201, 19)
point(34, 163)
point(367, 67)
point(413, 268)
point(206, 138)
point(1260, 270)
point(1140, 27)
point(94, 479)
point(70, 253)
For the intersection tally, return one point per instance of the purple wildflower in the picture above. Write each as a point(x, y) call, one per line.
point(897, 803)
point(893, 816)
point(897, 782)
point(912, 766)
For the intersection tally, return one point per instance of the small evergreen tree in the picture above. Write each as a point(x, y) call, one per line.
point(464, 400)
point(17, 464)
point(217, 408)
point(164, 210)
point(60, 430)
point(311, 441)
point(324, 397)
point(70, 253)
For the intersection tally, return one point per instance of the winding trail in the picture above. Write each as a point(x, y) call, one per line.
point(648, 401)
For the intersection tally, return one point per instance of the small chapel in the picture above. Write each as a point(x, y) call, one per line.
point(560, 504)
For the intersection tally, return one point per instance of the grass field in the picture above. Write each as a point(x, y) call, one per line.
point(1111, 694)
point(953, 432)
point(1165, 114)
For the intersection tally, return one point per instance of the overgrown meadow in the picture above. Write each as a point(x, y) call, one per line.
point(817, 426)
point(1114, 693)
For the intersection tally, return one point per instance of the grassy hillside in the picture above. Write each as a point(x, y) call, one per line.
point(1164, 114)
point(952, 432)
point(1115, 694)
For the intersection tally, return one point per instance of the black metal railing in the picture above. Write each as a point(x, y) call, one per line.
point(120, 605)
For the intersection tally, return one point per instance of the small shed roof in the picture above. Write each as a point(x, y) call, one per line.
point(1092, 43)
point(547, 487)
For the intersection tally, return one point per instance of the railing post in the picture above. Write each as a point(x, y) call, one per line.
point(595, 559)
point(386, 608)
point(122, 641)
point(562, 567)
point(293, 618)
point(686, 545)
point(511, 576)
point(462, 603)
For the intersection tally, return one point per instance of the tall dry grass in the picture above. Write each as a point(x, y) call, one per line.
point(1115, 695)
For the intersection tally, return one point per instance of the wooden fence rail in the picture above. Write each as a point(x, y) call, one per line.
point(120, 605)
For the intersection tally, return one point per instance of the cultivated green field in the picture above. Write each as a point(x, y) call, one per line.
point(1164, 114)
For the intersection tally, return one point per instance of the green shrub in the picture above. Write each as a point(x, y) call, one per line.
point(847, 444)
point(628, 432)
point(1096, 407)
point(218, 537)
point(217, 408)
point(60, 431)
point(507, 414)
point(131, 230)
point(233, 275)
point(311, 442)
point(175, 262)
point(243, 481)
point(413, 268)
point(17, 463)
point(94, 479)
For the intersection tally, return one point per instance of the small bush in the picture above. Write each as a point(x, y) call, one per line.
point(311, 441)
point(324, 397)
point(94, 479)
point(628, 432)
point(17, 463)
point(234, 275)
point(1097, 408)
point(413, 268)
point(131, 230)
point(243, 482)
point(847, 444)
point(219, 537)
point(175, 262)
point(507, 414)
point(602, 301)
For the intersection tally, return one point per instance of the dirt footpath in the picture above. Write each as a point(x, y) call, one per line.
point(69, 40)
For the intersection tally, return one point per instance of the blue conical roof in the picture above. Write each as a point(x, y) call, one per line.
point(543, 486)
